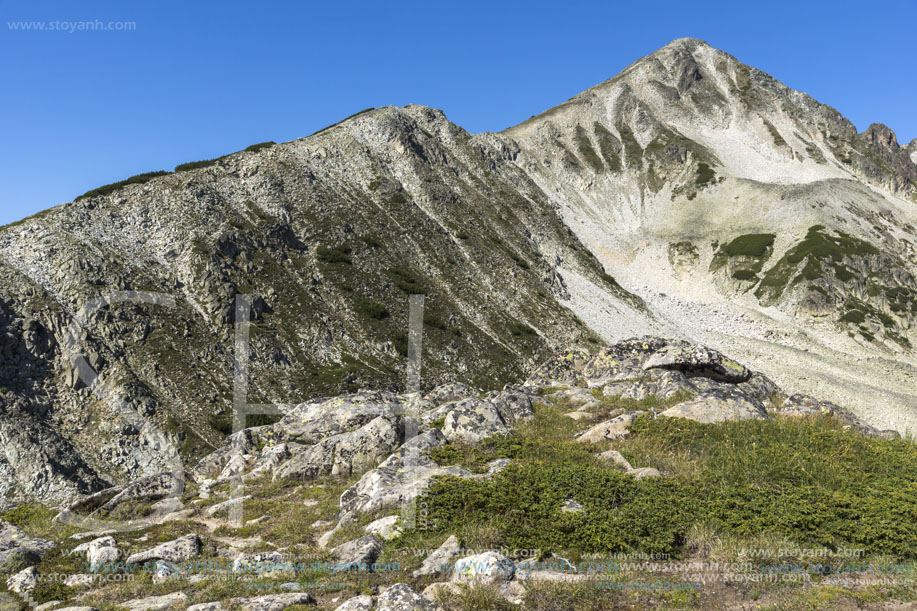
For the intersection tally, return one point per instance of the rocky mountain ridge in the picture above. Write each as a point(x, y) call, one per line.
point(690, 196)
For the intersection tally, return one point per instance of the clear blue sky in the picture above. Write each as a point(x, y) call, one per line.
point(193, 80)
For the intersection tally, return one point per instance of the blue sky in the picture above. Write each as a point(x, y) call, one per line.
point(194, 80)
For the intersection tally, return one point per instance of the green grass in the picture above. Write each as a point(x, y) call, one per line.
point(609, 146)
point(802, 480)
point(584, 146)
point(704, 175)
point(405, 280)
point(334, 254)
point(371, 308)
point(749, 245)
point(745, 275)
point(260, 146)
point(138, 179)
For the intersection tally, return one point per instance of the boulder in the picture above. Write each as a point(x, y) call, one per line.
point(562, 369)
point(718, 405)
point(177, 550)
point(616, 428)
point(385, 528)
point(357, 603)
point(622, 361)
point(472, 420)
point(401, 478)
point(157, 603)
point(359, 554)
point(401, 597)
point(615, 457)
point(514, 406)
point(273, 602)
point(489, 568)
point(697, 361)
point(644, 472)
point(211, 606)
point(25, 580)
point(19, 550)
point(438, 562)
point(346, 453)
point(264, 562)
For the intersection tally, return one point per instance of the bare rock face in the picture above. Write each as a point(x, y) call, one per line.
point(880, 135)
point(273, 602)
point(401, 597)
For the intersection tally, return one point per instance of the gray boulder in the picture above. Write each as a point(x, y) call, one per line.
point(157, 603)
point(718, 405)
point(562, 369)
point(357, 603)
point(177, 550)
point(697, 361)
point(472, 420)
point(346, 453)
point(438, 561)
point(616, 428)
point(401, 597)
point(359, 554)
point(489, 568)
point(25, 580)
point(19, 550)
point(273, 602)
point(622, 361)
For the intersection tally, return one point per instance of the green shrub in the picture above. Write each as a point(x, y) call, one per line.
point(519, 329)
point(854, 316)
point(334, 254)
point(133, 180)
point(371, 308)
point(750, 245)
point(585, 149)
point(405, 280)
point(744, 274)
point(196, 165)
point(704, 175)
point(254, 148)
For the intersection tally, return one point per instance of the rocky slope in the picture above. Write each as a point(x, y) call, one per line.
point(732, 210)
point(353, 468)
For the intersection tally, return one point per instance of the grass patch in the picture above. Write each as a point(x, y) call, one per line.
point(138, 179)
point(749, 245)
point(803, 480)
point(704, 175)
point(334, 254)
point(371, 308)
point(405, 280)
point(584, 146)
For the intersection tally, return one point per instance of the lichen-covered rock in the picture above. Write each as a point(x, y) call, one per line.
point(562, 369)
point(472, 420)
point(273, 602)
point(357, 603)
point(438, 562)
point(18, 550)
point(346, 453)
point(385, 528)
point(800, 405)
point(616, 428)
point(719, 404)
point(622, 361)
point(177, 550)
point(489, 568)
point(615, 457)
point(400, 478)
point(514, 406)
point(359, 554)
point(697, 361)
point(25, 580)
point(401, 597)
point(157, 603)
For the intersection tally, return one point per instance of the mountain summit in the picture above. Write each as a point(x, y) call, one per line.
point(690, 196)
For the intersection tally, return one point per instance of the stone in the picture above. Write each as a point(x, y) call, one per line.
point(177, 550)
point(472, 420)
point(157, 603)
point(274, 602)
point(211, 606)
point(25, 580)
point(698, 361)
point(489, 568)
point(264, 562)
point(357, 603)
point(359, 554)
point(616, 428)
point(622, 361)
point(571, 506)
point(644, 472)
point(514, 406)
point(561, 369)
point(718, 405)
point(438, 562)
point(442, 589)
point(19, 550)
point(385, 528)
point(347, 453)
point(401, 597)
point(617, 458)
point(80, 580)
